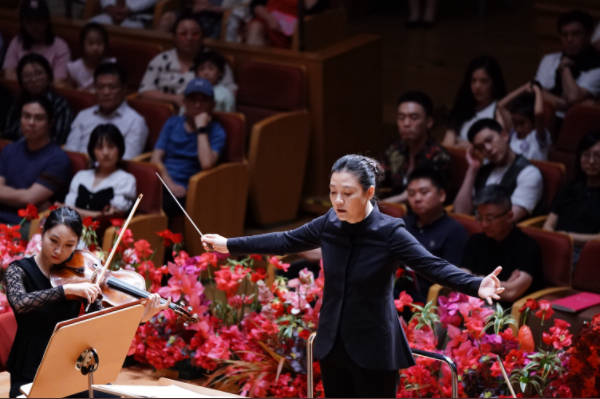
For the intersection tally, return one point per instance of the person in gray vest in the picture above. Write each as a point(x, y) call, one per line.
point(513, 172)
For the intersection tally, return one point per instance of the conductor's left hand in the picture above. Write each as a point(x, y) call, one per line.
point(490, 287)
point(153, 305)
point(215, 242)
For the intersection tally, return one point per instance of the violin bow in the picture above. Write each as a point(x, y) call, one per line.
point(120, 236)
point(189, 218)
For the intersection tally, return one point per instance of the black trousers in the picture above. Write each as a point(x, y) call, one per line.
point(343, 378)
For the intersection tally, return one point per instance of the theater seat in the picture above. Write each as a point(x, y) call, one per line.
point(216, 198)
point(393, 209)
point(78, 100)
point(155, 113)
point(149, 218)
point(554, 175)
point(276, 160)
point(8, 329)
point(457, 170)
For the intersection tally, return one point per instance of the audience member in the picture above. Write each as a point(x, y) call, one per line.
point(481, 88)
point(34, 75)
point(33, 169)
point(210, 65)
point(106, 190)
point(430, 225)
point(523, 115)
point(575, 210)
point(414, 147)
point(169, 72)
point(421, 13)
point(573, 74)
point(513, 172)
point(190, 143)
point(93, 39)
point(36, 36)
point(110, 82)
point(502, 243)
point(275, 21)
point(126, 13)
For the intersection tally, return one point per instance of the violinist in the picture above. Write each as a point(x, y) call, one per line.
point(38, 306)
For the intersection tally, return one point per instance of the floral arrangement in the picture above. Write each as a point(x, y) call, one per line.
point(251, 329)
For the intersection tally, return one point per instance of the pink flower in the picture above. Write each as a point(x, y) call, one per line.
point(403, 300)
point(545, 311)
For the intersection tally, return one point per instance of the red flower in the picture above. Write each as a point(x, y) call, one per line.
point(530, 304)
point(117, 222)
point(89, 223)
point(52, 207)
point(559, 336)
point(28, 213)
point(143, 249)
point(545, 310)
point(170, 238)
point(275, 261)
point(304, 333)
point(259, 274)
point(403, 300)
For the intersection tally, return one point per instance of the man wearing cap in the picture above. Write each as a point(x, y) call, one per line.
point(188, 143)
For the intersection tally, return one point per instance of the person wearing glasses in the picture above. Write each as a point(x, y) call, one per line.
point(503, 243)
point(523, 181)
point(575, 210)
point(110, 81)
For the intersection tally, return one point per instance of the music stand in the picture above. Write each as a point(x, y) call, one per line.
point(86, 350)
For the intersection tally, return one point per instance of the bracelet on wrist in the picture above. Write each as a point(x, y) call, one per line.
point(202, 130)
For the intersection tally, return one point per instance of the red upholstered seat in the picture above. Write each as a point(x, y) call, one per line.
point(267, 88)
point(554, 175)
point(156, 114)
point(77, 99)
point(457, 171)
point(467, 221)
point(579, 120)
point(8, 329)
point(557, 253)
point(392, 209)
point(148, 184)
point(79, 161)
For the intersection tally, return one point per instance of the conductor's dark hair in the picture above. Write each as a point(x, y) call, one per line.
point(523, 105)
point(366, 169)
point(429, 173)
point(418, 97)
point(106, 132)
point(93, 27)
point(494, 194)
point(111, 68)
point(34, 58)
point(464, 105)
point(586, 142)
point(486, 123)
point(585, 19)
point(64, 216)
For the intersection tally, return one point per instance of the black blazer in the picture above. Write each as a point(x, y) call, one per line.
point(359, 262)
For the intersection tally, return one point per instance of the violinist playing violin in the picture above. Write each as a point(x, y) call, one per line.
point(38, 306)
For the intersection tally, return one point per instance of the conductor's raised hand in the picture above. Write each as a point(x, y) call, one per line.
point(215, 242)
point(490, 287)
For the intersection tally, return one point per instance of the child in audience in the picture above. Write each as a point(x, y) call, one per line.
point(36, 36)
point(523, 114)
point(94, 44)
point(210, 65)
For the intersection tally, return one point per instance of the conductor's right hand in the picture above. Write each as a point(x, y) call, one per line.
point(87, 291)
point(215, 242)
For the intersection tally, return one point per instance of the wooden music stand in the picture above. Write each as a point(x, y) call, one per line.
point(86, 350)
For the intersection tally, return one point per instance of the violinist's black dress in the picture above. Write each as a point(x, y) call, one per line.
point(37, 307)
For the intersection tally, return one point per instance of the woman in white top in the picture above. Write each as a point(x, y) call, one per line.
point(482, 86)
point(169, 72)
point(106, 190)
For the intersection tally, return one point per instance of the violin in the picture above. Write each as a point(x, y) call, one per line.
point(118, 287)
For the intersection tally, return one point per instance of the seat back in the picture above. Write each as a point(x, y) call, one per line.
point(156, 114)
point(134, 56)
point(587, 267)
point(234, 124)
point(457, 170)
point(79, 161)
point(8, 329)
point(4, 143)
point(267, 88)
point(77, 99)
point(557, 254)
point(146, 183)
point(554, 175)
point(467, 221)
point(392, 209)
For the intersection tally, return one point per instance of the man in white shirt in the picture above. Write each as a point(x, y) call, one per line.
point(110, 82)
point(573, 74)
point(505, 168)
point(127, 13)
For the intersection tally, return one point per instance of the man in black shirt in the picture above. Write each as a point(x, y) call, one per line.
point(430, 225)
point(502, 243)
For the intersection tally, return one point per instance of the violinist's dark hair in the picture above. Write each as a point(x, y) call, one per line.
point(109, 133)
point(66, 216)
point(366, 170)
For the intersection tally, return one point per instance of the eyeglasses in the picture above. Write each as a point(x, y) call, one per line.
point(489, 218)
point(35, 74)
point(588, 156)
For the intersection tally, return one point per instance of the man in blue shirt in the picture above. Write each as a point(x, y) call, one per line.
point(430, 225)
point(189, 143)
